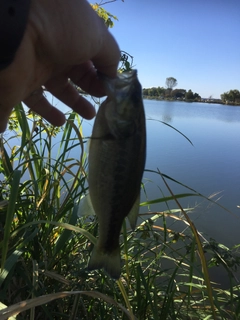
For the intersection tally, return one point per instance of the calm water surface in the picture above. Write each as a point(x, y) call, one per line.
point(211, 165)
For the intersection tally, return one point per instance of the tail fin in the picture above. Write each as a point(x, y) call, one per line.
point(110, 262)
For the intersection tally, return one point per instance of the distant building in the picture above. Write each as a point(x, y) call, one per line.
point(211, 100)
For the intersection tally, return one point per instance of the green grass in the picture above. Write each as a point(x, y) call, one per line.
point(45, 246)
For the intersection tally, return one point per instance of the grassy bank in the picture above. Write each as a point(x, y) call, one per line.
point(45, 246)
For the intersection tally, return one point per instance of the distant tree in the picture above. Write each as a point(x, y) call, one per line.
point(231, 96)
point(171, 83)
point(154, 92)
point(178, 93)
point(145, 91)
point(190, 96)
point(150, 92)
point(197, 96)
point(161, 91)
point(224, 97)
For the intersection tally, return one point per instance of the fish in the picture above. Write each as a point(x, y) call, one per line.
point(117, 155)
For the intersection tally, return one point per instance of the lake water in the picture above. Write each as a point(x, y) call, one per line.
point(210, 166)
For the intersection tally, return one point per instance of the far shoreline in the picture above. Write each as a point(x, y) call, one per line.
point(210, 101)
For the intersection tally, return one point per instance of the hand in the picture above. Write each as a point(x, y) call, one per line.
point(63, 40)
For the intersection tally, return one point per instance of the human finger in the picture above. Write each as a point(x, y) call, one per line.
point(39, 104)
point(63, 90)
point(87, 78)
point(107, 59)
point(4, 115)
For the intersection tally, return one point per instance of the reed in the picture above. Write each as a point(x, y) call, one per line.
point(45, 246)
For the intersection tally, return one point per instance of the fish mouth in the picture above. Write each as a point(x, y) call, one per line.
point(120, 75)
point(128, 75)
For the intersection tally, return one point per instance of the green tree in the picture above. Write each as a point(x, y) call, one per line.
point(145, 91)
point(231, 96)
point(178, 93)
point(171, 83)
point(197, 97)
point(161, 91)
point(190, 96)
point(152, 92)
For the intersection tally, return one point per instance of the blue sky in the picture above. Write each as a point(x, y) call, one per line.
point(197, 42)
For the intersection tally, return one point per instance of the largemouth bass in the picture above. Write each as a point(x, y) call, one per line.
point(116, 163)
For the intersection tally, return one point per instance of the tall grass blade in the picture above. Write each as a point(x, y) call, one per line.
point(196, 192)
point(124, 294)
point(66, 234)
point(35, 286)
point(10, 214)
point(201, 252)
point(9, 265)
point(165, 199)
point(148, 293)
point(167, 124)
point(5, 160)
point(67, 226)
point(32, 303)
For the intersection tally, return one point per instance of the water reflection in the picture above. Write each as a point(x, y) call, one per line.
point(180, 109)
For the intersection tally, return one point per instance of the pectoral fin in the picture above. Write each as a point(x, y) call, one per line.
point(133, 214)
